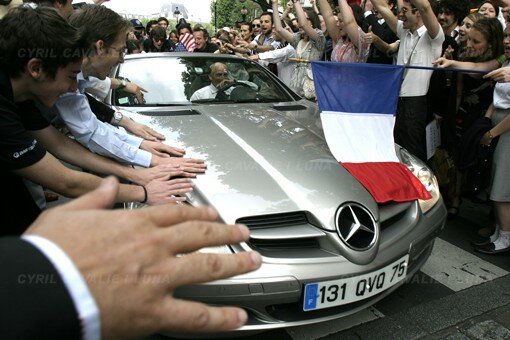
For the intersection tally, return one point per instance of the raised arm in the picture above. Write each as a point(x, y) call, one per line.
point(289, 37)
point(350, 25)
point(382, 7)
point(303, 22)
point(327, 14)
point(428, 17)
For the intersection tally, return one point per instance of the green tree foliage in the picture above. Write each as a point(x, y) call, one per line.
point(228, 12)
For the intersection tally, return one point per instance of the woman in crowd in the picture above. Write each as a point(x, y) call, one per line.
point(464, 29)
point(474, 94)
point(309, 44)
point(349, 44)
point(488, 10)
point(499, 112)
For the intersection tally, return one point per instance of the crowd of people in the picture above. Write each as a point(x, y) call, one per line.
point(55, 64)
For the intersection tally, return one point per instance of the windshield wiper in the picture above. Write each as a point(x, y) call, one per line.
point(168, 104)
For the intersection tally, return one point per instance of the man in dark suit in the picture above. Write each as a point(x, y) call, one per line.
point(375, 23)
point(82, 270)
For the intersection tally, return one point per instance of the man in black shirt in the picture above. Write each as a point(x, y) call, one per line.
point(42, 70)
point(380, 28)
point(202, 43)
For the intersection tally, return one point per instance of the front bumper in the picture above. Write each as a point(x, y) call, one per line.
point(273, 295)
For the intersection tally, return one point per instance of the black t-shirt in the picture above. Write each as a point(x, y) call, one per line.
point(208, 48)
point(168, 46)
point(18, 150)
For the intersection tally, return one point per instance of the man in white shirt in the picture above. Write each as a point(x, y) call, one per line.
point(219, 77)
point(421, 38)
point(74, 108)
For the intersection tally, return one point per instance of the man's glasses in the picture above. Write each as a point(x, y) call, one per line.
point(225, 74)
point(255, 25)
point(121, 50)
point(159, 40)
point(405, 10)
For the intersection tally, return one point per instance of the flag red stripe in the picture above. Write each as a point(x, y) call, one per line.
point(388, 181)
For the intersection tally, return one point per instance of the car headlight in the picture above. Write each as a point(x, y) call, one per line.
point(426, 177)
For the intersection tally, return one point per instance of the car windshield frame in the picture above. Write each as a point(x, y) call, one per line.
point(248, 82)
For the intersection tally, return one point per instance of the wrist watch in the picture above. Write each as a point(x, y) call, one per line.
point(117, 116)
point(122, 84)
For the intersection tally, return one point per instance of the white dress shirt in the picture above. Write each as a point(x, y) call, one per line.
point(97, 136)
point(280, 57)
point(417, 49)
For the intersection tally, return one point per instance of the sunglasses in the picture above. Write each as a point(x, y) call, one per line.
point(255, 25)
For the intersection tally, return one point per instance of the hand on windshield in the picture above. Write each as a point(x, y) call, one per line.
point(136, 90)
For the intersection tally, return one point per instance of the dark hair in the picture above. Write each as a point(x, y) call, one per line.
point(48, 2)
point(132, 45)
point(314, 18)
point(458, 8)
point(41, 33)
point(149, 24)
point(158, 32)
point(265, 13)
point(182, 24)
point(492, 30)
point(496, 8)
point(163, 19)
point(99, 23)
point(199, 28)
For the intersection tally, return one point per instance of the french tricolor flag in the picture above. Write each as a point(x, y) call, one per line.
point(358, 104)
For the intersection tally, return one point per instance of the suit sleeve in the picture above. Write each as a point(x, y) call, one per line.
point(102, 111)
point(35, 302)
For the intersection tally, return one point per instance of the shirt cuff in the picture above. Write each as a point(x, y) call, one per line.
point(132, 139)
point(143, 158)
point(367, 13)
point(84, 302)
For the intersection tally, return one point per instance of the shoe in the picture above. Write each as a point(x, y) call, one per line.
point(50, 197)
point(486, 232)
point(489, 248)
point(452, 212)
point(481, 241)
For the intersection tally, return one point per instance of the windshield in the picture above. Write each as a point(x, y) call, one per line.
point(171, 80)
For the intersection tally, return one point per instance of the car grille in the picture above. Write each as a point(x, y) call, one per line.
point(298, 234)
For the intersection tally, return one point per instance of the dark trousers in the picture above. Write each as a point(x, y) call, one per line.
point(410, 125)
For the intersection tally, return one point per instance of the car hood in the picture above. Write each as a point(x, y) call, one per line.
point(260, 160)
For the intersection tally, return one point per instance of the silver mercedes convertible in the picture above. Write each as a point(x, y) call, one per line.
point(329, 250)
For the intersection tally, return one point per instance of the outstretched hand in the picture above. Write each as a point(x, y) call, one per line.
point(132, 261)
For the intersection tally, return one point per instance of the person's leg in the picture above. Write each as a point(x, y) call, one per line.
point(500, 240)
point(410, 125)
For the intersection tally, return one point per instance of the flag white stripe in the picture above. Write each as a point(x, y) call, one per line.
point(360, 137)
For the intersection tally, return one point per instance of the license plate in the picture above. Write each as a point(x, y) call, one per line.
point(340, 292)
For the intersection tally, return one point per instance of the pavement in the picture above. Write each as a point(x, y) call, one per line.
point(480, 311)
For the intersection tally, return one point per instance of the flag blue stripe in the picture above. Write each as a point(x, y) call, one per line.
point(357, 87)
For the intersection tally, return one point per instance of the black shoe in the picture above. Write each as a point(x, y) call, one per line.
point(481, 241)
point(490, 248)
point(452, 212)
